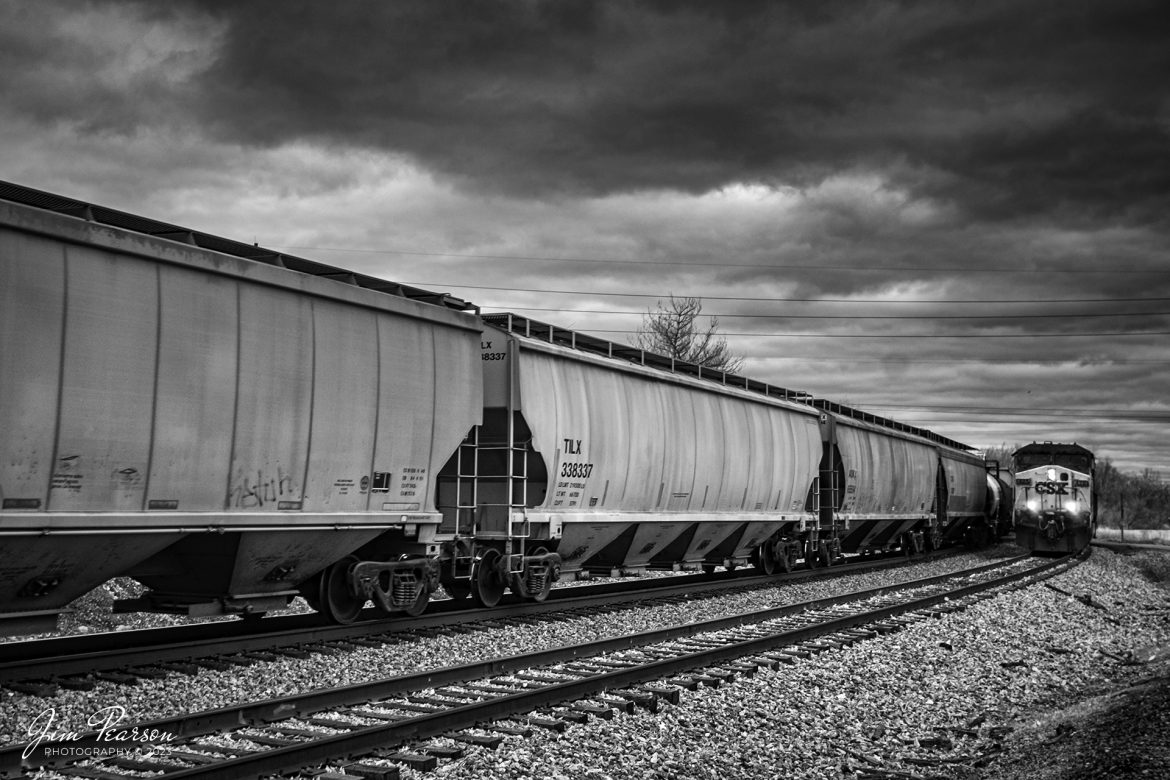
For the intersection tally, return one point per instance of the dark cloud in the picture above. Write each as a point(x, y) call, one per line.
point(1004, 109)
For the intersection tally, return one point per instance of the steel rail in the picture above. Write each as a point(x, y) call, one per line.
point(328, 749)
point(76, 655)
point(281, 708)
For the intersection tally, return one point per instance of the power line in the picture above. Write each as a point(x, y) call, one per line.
point(1078, 315)
point(1082, 362)
point(1079, 414)
point(769, 266)
point(981, 336)
point(584, 293)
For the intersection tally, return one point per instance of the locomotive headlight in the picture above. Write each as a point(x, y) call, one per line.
point(1070, 507)
point(1033, 505)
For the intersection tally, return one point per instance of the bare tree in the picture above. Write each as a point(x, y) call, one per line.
point(674, 330)
point(1002, 455)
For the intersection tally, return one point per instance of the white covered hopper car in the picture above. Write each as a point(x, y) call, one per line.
point(219, 422)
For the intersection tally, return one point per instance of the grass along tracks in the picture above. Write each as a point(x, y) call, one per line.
point(444, 701)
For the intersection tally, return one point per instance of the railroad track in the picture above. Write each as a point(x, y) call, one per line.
point(40, 667)
point(371, 729)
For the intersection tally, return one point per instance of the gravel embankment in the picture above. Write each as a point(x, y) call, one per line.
point(1015, 687)
point(181, 694)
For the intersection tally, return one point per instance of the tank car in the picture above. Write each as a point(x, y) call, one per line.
point(1056, 498)
point(595, 457)
point(1001, 493)
point(227, 425)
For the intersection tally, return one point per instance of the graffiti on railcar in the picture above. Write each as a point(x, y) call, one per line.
point(252, 491)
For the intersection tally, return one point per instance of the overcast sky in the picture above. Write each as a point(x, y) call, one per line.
point(955, 214)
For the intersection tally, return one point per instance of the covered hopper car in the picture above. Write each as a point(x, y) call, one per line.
point(232, 427)
point(226, 425)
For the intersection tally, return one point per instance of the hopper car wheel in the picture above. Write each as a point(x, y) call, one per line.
point(708, 568)
point(976, 535)
point(487, 583)
point(419, 605)
point(787, 558)
point(825, 554)
point(334, 596)
point(764, 558)
point(906, 542)
point(911, 545)
point(457, 590)
point(812, 558)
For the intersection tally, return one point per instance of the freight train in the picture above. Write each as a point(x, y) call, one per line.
point(233, 427)
point(1056, 497)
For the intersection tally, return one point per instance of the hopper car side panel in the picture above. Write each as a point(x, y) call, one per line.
point(967, 481)
point(344, 343)
point(195, 397)
point(966, 499)
point(104, 423)
point(889, 486)
point(723, 462)
point(32, 299)
point(274, 398)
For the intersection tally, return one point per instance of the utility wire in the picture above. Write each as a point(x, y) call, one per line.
point(1085, 362)
point(769, 266)
point(1078, 315)
point(980, 336)
point(1080, 414)
point(586, 294)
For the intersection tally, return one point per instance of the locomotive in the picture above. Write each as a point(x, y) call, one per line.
point(233, 427)
point(1056, 498)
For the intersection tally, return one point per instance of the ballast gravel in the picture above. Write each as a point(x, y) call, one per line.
point(964, 696)
point(973, 694)
point(179, 694)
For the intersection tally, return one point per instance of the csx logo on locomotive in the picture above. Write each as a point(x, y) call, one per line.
point(1052, 488)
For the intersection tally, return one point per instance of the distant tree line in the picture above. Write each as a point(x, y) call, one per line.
point(1131, 500)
